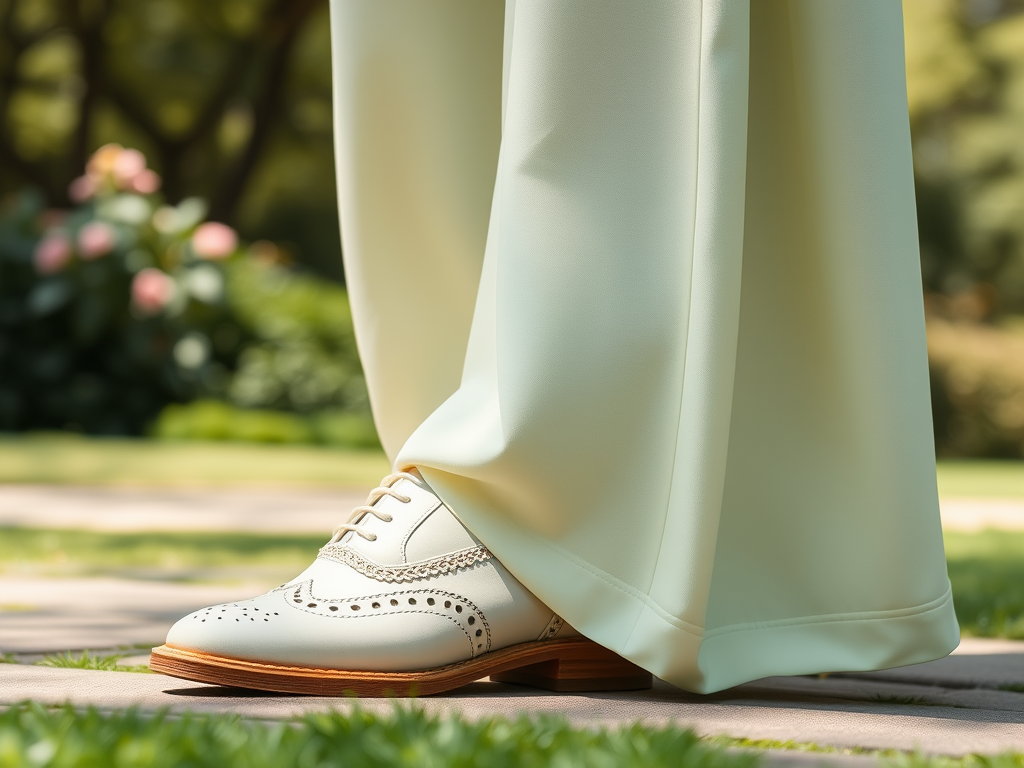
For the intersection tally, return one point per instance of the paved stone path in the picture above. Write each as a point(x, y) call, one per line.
point(293, 511)
point(172, 509)
point(840, 711)
point(972, 701)
point(951, 706)
point(40, 616)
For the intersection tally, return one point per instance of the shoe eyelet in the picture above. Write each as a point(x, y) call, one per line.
point(394, 602)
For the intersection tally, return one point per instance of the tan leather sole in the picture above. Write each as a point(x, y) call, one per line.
point(573, 664)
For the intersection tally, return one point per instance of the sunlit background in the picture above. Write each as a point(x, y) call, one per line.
point(168, 231)
point(119, 303)
point(173, 312)
point(126, 309)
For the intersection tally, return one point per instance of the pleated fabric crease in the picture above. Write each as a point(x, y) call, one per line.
point(636, 288)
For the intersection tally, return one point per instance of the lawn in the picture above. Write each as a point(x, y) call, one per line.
point(987, 573)
point(65, 459)
point(986, 568)
point(981, 478)
point(173, 556)
point(69, 460)
point(33, 735)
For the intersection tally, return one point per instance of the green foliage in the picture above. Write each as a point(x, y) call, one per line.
point(303, 356)
point(33, 735)
point(85, 660)
point(113, 310)
point(965, 67)
point(216, 420)
point(231, 99)
point(921, 760)
point(82, 341)
point(986, 570)
point(977, 373)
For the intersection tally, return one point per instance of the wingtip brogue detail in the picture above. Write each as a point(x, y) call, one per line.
point(416, 571)
point(453, 607)
point(366, 619)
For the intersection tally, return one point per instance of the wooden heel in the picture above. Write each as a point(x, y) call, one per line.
point(586, 666)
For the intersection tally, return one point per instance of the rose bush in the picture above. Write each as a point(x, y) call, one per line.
point(124, 305)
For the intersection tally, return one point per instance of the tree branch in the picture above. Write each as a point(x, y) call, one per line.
point(90, 39)
point(17, 45)
point(282, 27)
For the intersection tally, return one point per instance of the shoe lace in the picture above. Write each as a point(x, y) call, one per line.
point(355, 519)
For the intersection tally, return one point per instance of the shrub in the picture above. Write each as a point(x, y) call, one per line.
point(977, 375)
point(217, 420)
point(107, 311)
point(123, 306)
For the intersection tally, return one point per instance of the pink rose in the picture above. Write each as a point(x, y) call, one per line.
point(152, 290)
point(214, 240)
point(96, 239)
point(126, 165)
point(103, 160)
point(52, 253)
point(82, 188)
point(146, 182)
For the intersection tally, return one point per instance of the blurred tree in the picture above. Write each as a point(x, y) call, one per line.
point(965, 73)
point(230, 100)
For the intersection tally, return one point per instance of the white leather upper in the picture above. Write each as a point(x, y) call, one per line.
point(424, 593)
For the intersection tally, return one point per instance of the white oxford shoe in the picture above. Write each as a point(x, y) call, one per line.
point(402, 600)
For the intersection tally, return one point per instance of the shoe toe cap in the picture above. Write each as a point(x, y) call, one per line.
point(282, 629)
point(230, 629)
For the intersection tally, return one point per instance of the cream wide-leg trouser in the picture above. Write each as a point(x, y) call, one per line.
point(641, 300)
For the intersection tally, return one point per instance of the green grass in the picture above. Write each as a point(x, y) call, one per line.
point(200, 556)
point(986, 568)
point(33, 735)
point(981, 478)
point(889, 758)
point(67, 459)
point(62, 459)
point(85, 660)
point(987, 573)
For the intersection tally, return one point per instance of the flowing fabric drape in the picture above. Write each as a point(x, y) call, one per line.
point(636, 288)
